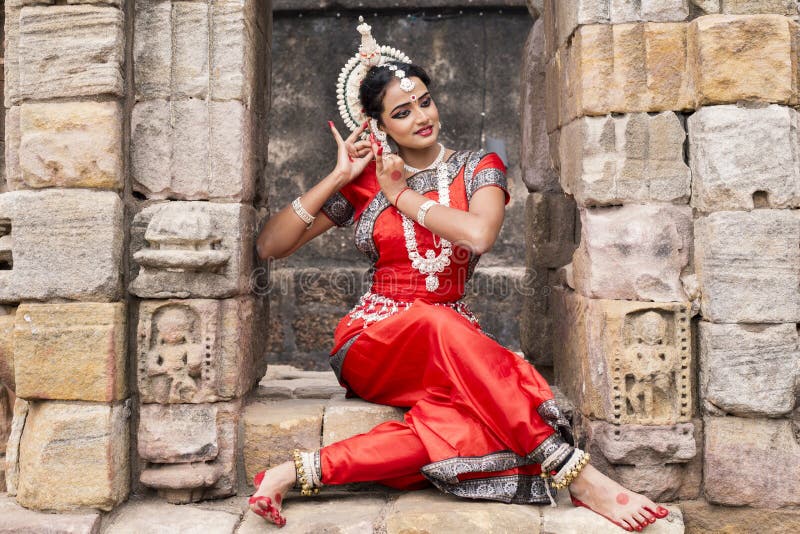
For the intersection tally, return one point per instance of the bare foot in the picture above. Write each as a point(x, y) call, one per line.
point(629, 510)
point(268, 498)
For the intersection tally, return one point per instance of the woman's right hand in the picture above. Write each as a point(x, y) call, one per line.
point(353, 155)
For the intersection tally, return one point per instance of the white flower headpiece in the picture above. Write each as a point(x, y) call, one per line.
point(369, 55)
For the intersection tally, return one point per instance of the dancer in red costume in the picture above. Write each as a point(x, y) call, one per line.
point(482, 422)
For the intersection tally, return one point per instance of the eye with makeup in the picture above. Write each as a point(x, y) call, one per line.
point(424, 102)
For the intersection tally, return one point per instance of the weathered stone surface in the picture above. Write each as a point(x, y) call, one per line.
point(70, 144)
point(201, 50)
point(69, 51)
point(193, 249)
point(632, 158)
point(347, 417)
point(746, 7)
point(199, 350)
point(552, 230)
point(433, 512)
point(17, 519)
point(661, 462)
point(178, 434)
point(619, 68)
point(188, 461)
point(538, 173)
point(749, 369)
point(494, 294)
point(300, 388)
point(746, 57)
point(744, 158)
point(703, 518)
point(635, 252)
point(21, 408)
point(739, 451)
point(150, 516)
point(621, 361)
point(66, 244)
point(350, 515)
point(747, 264)
point(7, 347)
point(60, 469)
point(563, 16)
point(89, 342)
point(273, 429)
point(192, 149)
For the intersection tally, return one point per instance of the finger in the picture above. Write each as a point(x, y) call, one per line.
point(353, 136)
point(359, 145)
point(378, 158)
point(339, 140)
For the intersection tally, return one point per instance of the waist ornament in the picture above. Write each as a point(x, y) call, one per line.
point(372, 307)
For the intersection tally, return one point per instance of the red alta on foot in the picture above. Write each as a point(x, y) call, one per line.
point(269, 511)
point(659, 512)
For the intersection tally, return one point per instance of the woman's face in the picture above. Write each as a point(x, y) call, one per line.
point(410, 118)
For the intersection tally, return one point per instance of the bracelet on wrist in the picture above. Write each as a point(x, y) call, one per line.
point(397, 197)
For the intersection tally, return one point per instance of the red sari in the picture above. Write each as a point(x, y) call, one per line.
point(481, 418)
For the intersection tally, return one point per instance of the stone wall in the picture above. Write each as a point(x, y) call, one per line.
point(473, 56)
point(671, 127)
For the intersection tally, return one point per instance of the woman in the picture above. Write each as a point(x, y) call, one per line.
point(482, 421)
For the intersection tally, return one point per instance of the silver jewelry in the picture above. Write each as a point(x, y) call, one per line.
point(431, 264)
point(436, 162)
point(302, 213)
point(406, 83)
point(381, 136)
point(372, 307)
point(423, 210)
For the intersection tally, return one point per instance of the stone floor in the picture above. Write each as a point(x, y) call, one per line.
point(297, 408)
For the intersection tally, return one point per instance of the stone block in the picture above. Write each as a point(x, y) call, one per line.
point(193, 250)
point(73, 455)
point(192, 149)
point(662, 462)
point(68, 144)
point(744, 158)
point(199, 350)
point(703, 518)
point(70, 51)
point(17, 519)
point(345, 418)
point(747, 265)
point(624, 362)
point(749, 369)
point(738, 451)
point(198, 49)
point(620, 68)
point(635, 252)
point(71, 351)
point(21, 408)
point(429, 511)
point(743, 57)
point(7, 350)
point(66, 244)
point(189, 449)
point(494, 294)
point(344, 515)
point(538, 173)
point(300, 388)
point(632, 158)
point(750, 7)
point(152, 516)
point(273, 429)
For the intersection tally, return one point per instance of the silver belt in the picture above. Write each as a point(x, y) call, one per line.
point(372, 307)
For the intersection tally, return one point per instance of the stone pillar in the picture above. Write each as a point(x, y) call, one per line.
point(62, 240)
point(666, 234)
point(198, 145)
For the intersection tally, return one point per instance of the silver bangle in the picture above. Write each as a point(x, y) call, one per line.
point(302, 213)
point(423, 210)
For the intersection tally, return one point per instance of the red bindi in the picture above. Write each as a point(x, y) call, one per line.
point(396, 175)
point(622, 498)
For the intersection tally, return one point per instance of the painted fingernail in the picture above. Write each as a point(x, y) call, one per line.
point(330, 124)
point(351, 159)
point(380, 151)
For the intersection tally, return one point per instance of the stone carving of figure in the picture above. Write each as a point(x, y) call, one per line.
point(173, 356)
point(649, 377)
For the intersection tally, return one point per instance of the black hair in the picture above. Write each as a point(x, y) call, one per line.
point(373, 88)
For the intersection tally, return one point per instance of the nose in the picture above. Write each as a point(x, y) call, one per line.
point(420, 115)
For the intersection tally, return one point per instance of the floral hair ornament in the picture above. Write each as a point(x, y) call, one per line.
point(369, 55)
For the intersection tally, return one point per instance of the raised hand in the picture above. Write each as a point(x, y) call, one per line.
point(389, 168)
point(352, 155)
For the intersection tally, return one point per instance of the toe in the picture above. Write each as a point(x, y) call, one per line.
point(641, 519)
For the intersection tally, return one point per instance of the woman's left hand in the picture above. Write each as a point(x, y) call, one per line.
point(389, 168)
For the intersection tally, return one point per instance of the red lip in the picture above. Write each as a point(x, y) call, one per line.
point(425, 132)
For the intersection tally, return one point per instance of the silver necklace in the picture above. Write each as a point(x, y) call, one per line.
point(435, 163)
point(432, 263)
